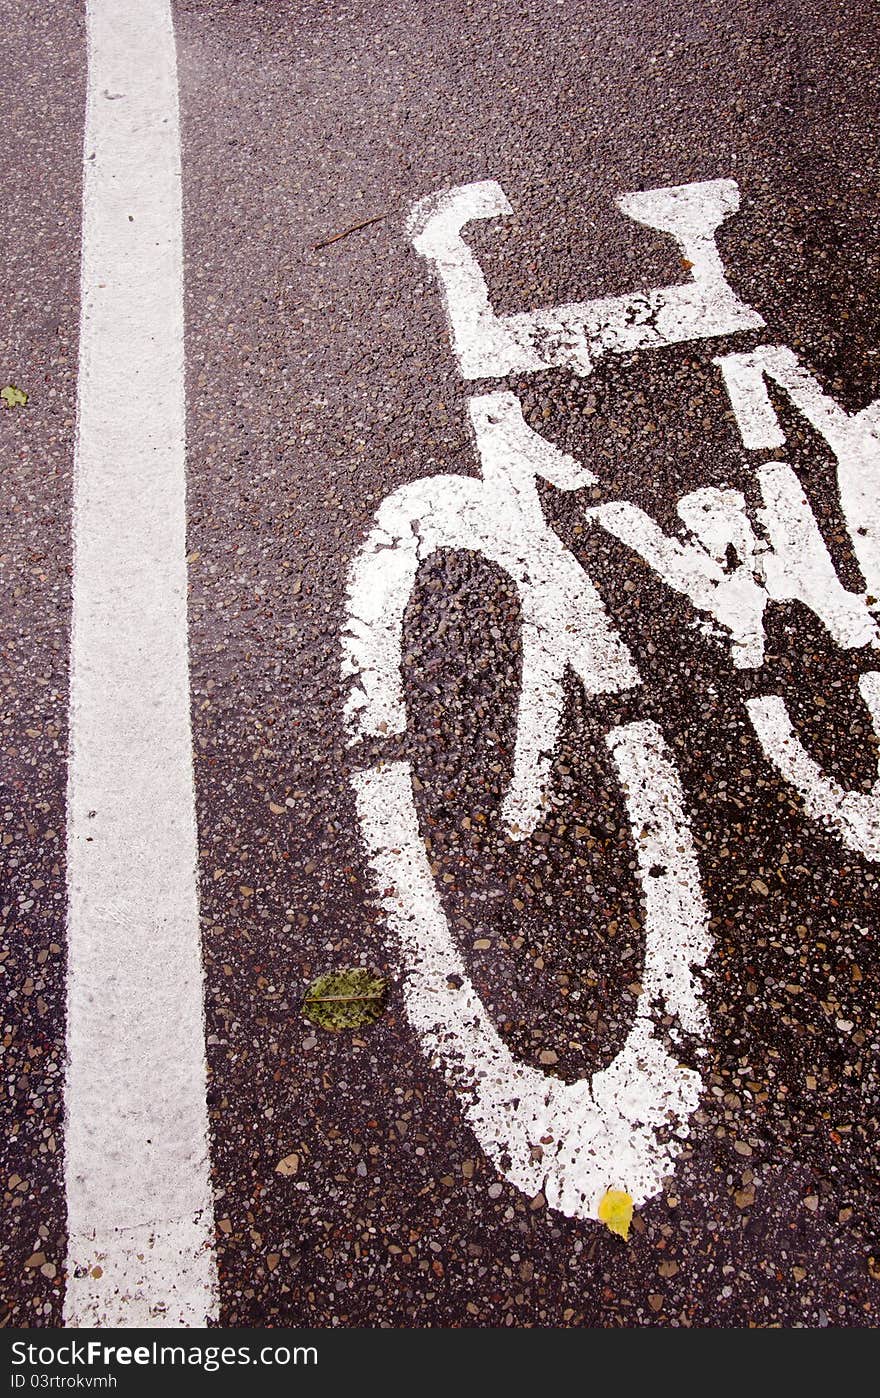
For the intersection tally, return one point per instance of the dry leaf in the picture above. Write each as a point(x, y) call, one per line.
point(616, 1211)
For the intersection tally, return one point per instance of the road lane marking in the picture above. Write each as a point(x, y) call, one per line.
point(854, 816)
point(564, 620)
point(139, 1202)
point(854, 438)
point(576, 335)
point(601, 1131)
point(571, 1141)
point(790, 564)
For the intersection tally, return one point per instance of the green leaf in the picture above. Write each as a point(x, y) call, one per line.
point(345, 999)
point(13, 397)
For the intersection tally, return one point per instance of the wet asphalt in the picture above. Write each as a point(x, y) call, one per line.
point(42, 81)
point(320, 379)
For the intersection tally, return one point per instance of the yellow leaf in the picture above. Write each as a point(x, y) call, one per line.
point(616, 1210)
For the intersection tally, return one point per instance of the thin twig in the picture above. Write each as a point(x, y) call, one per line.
point(355, 228)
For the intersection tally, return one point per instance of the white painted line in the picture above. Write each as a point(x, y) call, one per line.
point(854, 439)
point(799, 567)
point(573, 1141)
point(697, 567)
point(601, 1133)
point(564, 621)
point(574, 336)
point(853, 815)
point(576, 1140)
point(790, 563)
point(137, 1174)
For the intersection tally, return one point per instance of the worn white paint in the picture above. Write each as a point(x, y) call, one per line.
point(574, 336)
point(564, 622)
point(695, 563)
point(853, 815)
point(854, 439)
point(136, 1149)
point(571, 1141)
point(603, 1133)
point(798, 567)
point(598, 1134)
point(787, 562)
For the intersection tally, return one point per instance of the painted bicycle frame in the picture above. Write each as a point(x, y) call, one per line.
point(622, 1128)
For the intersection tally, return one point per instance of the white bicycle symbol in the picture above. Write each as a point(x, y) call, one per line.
point(604, 1132)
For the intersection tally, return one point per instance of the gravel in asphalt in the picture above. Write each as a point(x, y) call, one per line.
point(349, 1189)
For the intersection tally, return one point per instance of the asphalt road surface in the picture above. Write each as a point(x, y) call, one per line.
point(654, 969)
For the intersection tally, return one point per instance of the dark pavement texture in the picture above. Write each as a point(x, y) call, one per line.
point(42, 81)
point(321, 380)
point(318, 381)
